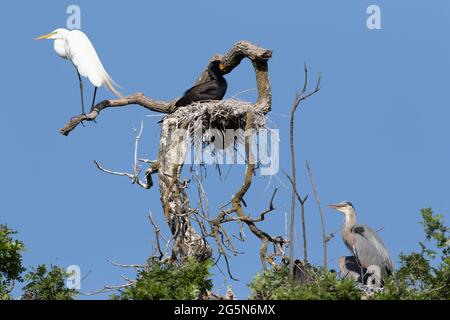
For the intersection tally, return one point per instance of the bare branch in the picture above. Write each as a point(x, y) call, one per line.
point(231, 60)
point(300, 96)
point(107, 289)
point(157, 235)
point(322, 220)
point(134, 179)
point(237, 199)
point(379, 229)
point(301, 200)
point(131, 266)
point(136, 147)
point(115, 173)
point(134, 99)
point(333, 234)
point(136, 168)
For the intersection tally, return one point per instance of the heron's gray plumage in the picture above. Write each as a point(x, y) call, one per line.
point(370, 250)
point(365, 244)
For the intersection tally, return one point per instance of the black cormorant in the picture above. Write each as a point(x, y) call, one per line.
point(214, 89)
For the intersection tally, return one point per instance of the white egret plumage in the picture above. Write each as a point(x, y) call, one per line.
point(76, 47)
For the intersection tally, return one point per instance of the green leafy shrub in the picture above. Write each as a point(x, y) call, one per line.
point(275, 284)
point(159, 281)
point(10, 261)
point(421, 275)
point(47, 285)
point(424, 274)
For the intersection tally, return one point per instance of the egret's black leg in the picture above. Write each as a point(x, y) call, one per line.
point(93, 99)
point(81, 91)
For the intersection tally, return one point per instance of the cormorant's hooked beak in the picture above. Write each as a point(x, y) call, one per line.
point(45, 36)
point(221, 66)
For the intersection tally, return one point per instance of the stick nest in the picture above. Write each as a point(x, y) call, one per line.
point(222, 115)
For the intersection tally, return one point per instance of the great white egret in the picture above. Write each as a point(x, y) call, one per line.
point(76, 47)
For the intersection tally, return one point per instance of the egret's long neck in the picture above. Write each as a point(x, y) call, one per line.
point(60, 48)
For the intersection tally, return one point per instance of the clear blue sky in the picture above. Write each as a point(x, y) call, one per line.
point(377, 134)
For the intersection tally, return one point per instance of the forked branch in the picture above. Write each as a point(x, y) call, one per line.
point(300, 96)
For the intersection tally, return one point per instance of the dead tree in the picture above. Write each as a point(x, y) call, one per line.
point(178, 212)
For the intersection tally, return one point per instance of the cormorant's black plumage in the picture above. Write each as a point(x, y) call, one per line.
point(213, 89)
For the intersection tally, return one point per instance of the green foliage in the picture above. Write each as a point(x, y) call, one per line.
point(421, 275)
point(47, 285)
point(41, 285)
point(275, 284)
point(424, 274)
point(10, 261)
point(159, 281)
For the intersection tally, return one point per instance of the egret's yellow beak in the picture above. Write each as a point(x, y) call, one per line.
point(45, 36)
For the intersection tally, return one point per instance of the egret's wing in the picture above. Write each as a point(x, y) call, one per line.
point(83, 55)
point(371, 249)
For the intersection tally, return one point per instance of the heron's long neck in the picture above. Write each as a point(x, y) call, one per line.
point(350, 221)
point(347, 235)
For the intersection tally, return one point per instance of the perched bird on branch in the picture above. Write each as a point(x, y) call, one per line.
point(367, 247)
point(76, 47)
point(214, 89)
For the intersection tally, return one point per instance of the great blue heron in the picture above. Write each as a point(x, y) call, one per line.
point(368, 249)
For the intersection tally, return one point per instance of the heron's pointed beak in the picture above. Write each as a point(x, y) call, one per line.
point(45, 36)
point(336, 206)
